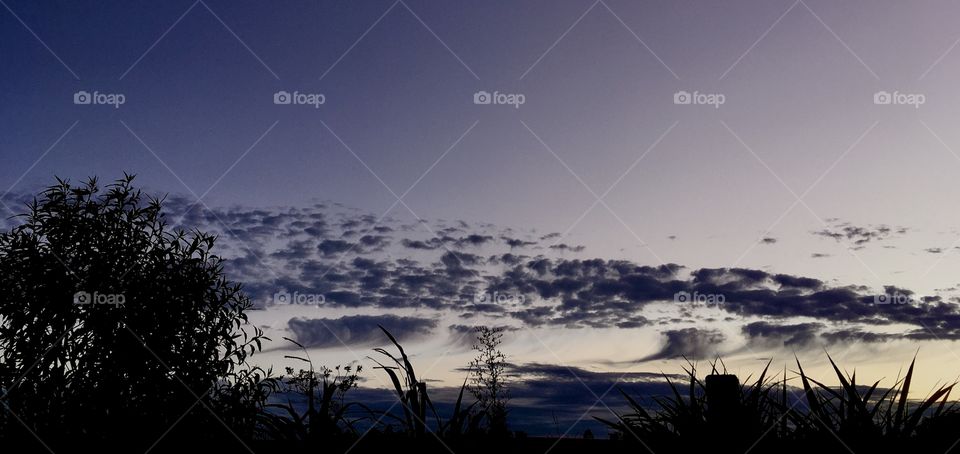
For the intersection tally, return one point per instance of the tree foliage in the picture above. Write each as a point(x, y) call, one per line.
point(110, 320)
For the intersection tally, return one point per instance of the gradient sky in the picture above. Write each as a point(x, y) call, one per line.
point(796, 167)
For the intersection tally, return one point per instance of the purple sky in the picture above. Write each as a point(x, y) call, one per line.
point(800, 172)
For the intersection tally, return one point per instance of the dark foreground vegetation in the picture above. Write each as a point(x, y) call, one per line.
point(120, 333)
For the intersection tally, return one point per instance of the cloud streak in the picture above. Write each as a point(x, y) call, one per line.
point(358, 330)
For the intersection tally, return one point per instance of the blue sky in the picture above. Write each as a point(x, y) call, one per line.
point(803, 171)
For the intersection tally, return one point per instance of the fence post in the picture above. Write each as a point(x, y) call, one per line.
point(723, 400)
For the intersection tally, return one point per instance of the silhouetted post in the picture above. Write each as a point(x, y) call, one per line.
point(723, 401)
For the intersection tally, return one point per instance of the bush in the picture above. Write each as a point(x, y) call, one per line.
point(324, 391)
point(112, 324)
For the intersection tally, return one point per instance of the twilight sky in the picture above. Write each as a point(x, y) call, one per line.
point(798, 200)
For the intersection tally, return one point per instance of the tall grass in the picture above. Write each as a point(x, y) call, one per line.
point(325, 390)
point(854, 412)
point(687, 414)
point(415, 400)
point(769, 412)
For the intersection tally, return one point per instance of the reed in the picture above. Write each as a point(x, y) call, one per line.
point(769, 412)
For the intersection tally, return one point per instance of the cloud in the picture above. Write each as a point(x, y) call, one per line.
point(329, 247)
point(474, 240)
point(847, 336)
point(858, 236)
point(561, 373)
point(691, 343)
point(465, 336)
point(358, 330)
point(397, 265)
point(517, 243)
point(418, 244)
point(765, 334)
point(797, 282)
point(374, 242)
point(566, 247)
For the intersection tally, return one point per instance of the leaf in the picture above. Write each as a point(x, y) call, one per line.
point(904, 391)
point(409, 367)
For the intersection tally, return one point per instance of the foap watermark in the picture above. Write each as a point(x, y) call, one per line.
point(96, 98)
point(709, 299)
point(696, 98)
point(299, 299)
point(885, 98)
point(496, 98)
point(893, 298)
point(96, 298)
point(296, 98)
point(497, 298)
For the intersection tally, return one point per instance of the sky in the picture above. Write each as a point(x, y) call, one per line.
point(751, 179)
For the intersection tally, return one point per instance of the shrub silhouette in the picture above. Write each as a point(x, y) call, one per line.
point(325, 393)
point(111, 323)
point(489, 384)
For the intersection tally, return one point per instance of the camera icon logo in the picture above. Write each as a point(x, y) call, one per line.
point(281, 298)
point(480, 297)
point(681, 297)
point(894, 298)
point(82, 298)
point(882, 97)
point(682, 97)
point(82, 97)
point(482, 97)
point(282, 97)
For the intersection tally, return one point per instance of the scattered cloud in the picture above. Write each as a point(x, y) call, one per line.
point(858, 236)
point(355, 260)
point(566, 247)
point(517, 243)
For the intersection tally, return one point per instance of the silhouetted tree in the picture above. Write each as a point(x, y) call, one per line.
point(113, 324)
point(489, 385)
